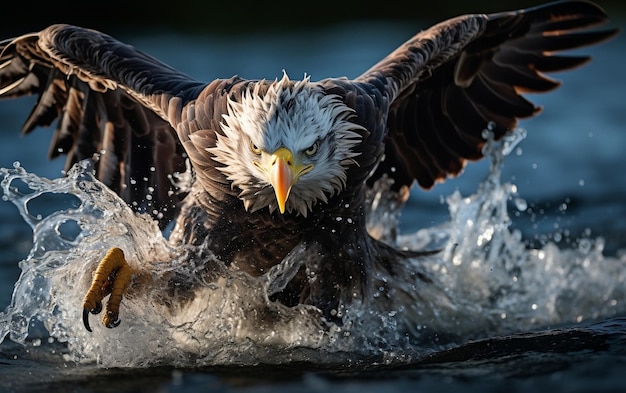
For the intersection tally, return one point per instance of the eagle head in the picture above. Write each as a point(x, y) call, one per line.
point(286, 145)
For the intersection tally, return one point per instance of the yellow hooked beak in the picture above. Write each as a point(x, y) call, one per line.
point(283, 172)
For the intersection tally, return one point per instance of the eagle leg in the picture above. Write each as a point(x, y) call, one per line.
point(112, 276)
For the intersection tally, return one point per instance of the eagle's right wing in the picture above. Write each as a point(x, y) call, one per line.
point(109, 98)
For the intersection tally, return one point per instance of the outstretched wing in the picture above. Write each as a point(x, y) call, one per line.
point(449, 83)
point(109, 99)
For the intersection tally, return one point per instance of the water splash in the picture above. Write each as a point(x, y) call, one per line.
point(487, 264)
point(486, 281)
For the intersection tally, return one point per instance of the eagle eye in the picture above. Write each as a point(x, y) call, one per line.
point(254, 148)
point(312, 149)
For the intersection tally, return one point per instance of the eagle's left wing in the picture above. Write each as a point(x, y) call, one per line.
point(448, 83)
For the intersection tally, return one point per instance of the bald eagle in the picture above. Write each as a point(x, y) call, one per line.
point(283, 165)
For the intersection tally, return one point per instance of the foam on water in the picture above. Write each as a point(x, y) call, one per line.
point(486, 281)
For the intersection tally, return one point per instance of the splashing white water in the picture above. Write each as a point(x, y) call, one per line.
point(486, 282)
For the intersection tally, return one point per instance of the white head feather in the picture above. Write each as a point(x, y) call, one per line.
point(294, 115)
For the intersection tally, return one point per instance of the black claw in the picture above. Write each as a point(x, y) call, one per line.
point(114, 324)
point(86, 319)
point(97, 309)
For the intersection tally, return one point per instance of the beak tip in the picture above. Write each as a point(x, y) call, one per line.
point(281, 207)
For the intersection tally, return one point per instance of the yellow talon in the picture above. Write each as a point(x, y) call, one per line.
point(112, 276)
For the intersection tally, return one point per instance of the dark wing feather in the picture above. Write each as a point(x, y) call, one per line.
point(109, 98)
point(197, 130)
point(448, 83)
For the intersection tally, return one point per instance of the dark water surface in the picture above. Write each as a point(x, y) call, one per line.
point(570, 176)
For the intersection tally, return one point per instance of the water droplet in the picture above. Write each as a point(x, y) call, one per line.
point(584, 246)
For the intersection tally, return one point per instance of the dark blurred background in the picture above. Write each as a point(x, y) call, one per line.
point(233, 17)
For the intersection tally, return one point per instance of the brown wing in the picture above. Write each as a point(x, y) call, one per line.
point(108, 98)
point(448, 83)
